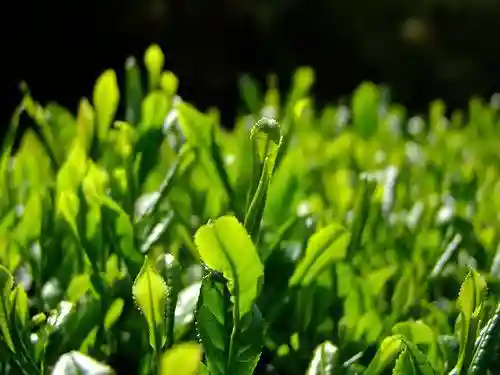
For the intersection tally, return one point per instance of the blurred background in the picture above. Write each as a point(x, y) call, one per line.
point(421, 49)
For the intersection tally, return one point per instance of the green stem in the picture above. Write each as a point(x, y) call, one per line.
point(234, 331)
point(157, 349)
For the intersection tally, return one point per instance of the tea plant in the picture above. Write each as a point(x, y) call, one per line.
point(303, 241)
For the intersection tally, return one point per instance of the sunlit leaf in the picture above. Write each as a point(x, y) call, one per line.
point(183, 359)
point(325, 247)
point(106, 97)
point(150, 295)
point(226, 247)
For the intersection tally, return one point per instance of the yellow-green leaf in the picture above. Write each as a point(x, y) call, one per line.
point(73, 170)
point(106, 97)
point(85, 124)
point(78, 286)
point(325, 247)
point(389, 349)
point(472, 293)
point(94, 184)
point(365, 106)
point(19, 301)
point(169, 83)
point(30, 225)
point(6, 283)
point(114, 312)
point(182, 359)
point(68, 206)
point(225, 246)
point(154, 109)
point(154, 61)
point(404, 365)
point(150, 295)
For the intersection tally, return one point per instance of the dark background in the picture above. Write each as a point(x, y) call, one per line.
point(423, 49)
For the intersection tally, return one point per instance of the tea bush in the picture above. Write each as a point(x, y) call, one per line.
point(347, 240)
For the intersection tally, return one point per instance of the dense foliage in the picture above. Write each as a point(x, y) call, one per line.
point(342, 241)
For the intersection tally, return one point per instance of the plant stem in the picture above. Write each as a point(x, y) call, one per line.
point(234, 331)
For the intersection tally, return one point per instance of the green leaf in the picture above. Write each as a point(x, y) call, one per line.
point(6, 284)
point(266, 139)
point(419, 359)
point(388, 351)
point(255, 211)
point(73, 170)
point(154, 61)
point(225, 246)
point(150, 295)
point(267, 133)
point(486, 344)
point(182, 359)
point(170, 269)
point(325, 360)
point(470, 302)
point(302, 81)
point(19, 301)
point(250, 92)
point(325, 247)
point(169, 83)
point(76, 363)
point(30, 226)
point(417, 332)
point(78, 287)
point(229, 349)
point(378, 279)
point(404, 294)
point(365, 107)
point(105, 98)
point(68, 206)
point(472, 293)
point(63, 122)
point(154, 109)
point(404, 365)
point(133, 91)
point(286, 189)
point(114, 312)
point(85, 125)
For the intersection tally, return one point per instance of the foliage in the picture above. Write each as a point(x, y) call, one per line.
point(300, 242)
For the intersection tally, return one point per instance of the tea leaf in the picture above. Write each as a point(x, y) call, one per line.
point(183, 359)
point(169, 83)
point(154, 60)
point(133, 92)
point(150, 295)
point(404, 365)
point(105, 98)
point(224, 246)
point(388, 351)
point(113, 313)
point(365, 104)
point(227, 352)
point(6, 283)
point(325, 247)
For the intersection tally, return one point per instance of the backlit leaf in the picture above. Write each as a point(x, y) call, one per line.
point(225, 246)
point(325, 247)
point(150, 295)
point(387, 352)
point(105, 98)
point(182, 359)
